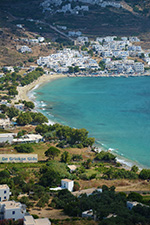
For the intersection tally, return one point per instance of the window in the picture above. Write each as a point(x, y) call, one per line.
point(5, 192)
point(5, 197)
point(13, 212)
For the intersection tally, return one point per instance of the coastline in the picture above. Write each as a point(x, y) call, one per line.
point(23, 91)
point(24, 94)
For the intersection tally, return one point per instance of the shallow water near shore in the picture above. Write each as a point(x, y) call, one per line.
point(116, 111)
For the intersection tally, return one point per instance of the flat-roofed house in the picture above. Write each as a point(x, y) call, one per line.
point(4, 192)
point(29, 138)
point(5, 123)
point(67, 184)
point(29, 220)
point(7, 137)
point(12, 210)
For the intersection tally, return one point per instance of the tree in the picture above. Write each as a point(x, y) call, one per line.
point(31, 59)
point(29, 105)
point(24, 118)
point(105, 156)
point(76, 69)
point(133, 196)
point(65, 157)
point(88, 163)
point(13, 91)
point(76, 186)
point(145, 174)
point(134, 169)
point(24, 148)
point(71, 69)
point(52, 152)
point(42, 129)
point(12, 112)
point(4, 108)
point(39, 118)
point(50, 178)
point(90, 52)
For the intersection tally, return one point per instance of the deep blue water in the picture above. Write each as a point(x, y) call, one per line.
point(116, 111)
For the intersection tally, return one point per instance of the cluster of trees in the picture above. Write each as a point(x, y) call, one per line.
point(30, 77)
point(75, 69)
point(52, 152)
point(11, 80)
point(145, 174)
point(103, 205)
point(24, 148)
point(105, 157)
point(29, 104)
point(9, 111)
point(102, 65)
point(66, 136)
point(31, 118)
point(113, 173)
point(52, 173)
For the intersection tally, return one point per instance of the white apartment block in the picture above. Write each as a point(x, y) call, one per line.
point(4, 192)
point(12, 210)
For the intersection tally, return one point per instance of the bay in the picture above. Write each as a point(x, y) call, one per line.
point(116, 111)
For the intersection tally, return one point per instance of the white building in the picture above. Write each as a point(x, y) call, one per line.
point(29, 138)
point(12, 210)
point(24, 49)
point(19, 106)
point(4, 192)
point(8, 137)
point(139, 67)
point(4, 123)
point(67, 184)
point(41, 39)
point(130, 205)
point(29, 220)
point(8, 68)
point(72, 168)
point(88, 214)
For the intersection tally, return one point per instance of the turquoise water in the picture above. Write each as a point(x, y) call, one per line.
point(116, 111)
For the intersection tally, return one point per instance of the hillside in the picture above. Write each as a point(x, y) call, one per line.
point(132, 18)
point(54, 19)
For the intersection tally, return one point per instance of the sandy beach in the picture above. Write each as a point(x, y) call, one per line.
point(23, 91)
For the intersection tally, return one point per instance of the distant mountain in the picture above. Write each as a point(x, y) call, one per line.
point(91, 17)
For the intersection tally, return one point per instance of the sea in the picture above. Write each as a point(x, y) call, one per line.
point(115, 110)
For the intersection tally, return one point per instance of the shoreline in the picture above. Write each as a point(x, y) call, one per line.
point(23, 91)
point(23, 94)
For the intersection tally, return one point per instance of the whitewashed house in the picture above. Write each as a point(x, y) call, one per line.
point(72, 168)
point(41, 39)
point(67, 184)
point(12, 210)
point(24, 49)
point(7, 137)
point(4, 192)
